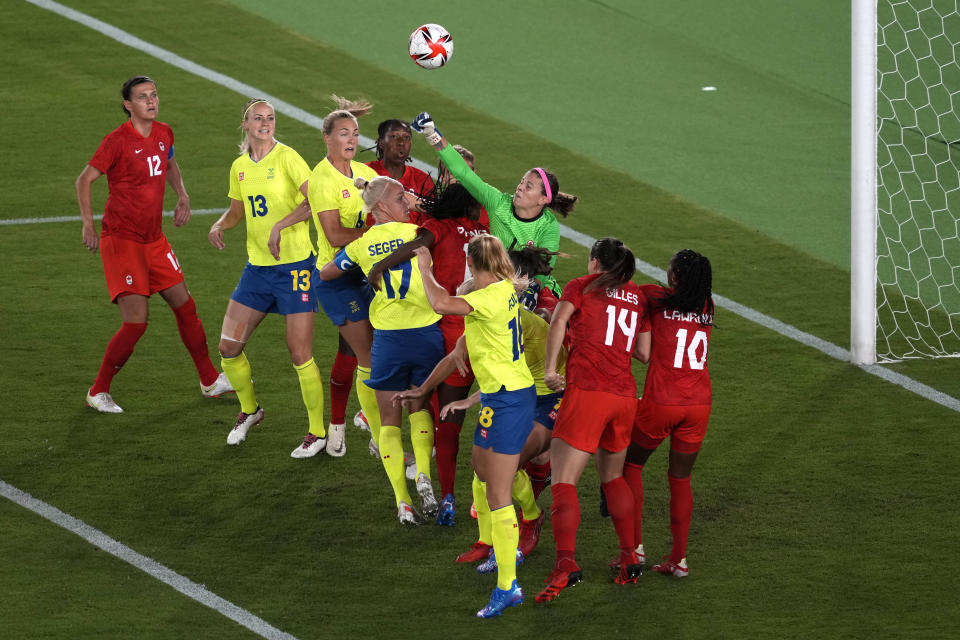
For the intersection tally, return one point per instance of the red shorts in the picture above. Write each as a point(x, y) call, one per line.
point(452, 328)
point(685, 424)
point(141, 269)
point(591, 419)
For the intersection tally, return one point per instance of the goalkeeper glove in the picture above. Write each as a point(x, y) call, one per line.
point(531, 295)
point(423, 123)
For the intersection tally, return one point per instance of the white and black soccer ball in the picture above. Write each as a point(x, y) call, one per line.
point(431, 46)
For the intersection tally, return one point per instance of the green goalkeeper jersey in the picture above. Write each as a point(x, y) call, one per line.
point(542, 231)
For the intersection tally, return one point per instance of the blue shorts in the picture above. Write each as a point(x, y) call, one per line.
point(273, 289)
point(547, 408)
point(505, 420)
point(401, 358)
point(345, 298)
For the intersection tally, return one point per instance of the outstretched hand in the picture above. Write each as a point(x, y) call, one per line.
point(424, 124)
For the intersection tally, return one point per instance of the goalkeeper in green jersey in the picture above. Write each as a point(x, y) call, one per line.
point(520, 219)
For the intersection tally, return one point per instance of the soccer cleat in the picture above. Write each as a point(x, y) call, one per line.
point(411, 461)
point(677, 569)
point(530, 534)
point(219, 387)
point(428, 502)
point(360, 420)
point(374, 449)
point(336, 445)
point(559, 580)
point(473, 511)
point(408, 515)
point(477, 551)
point(103, 403)
point(448, 509)
point(628, 568)
point(490, 564)
point(641, 558)
point(244, 422)
point(312, 445)
point(501, 599)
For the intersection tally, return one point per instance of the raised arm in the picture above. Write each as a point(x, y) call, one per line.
point(89, 231)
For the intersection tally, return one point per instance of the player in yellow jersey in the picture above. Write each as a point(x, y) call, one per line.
point(264, 187)
point(494, 337)
point(337, 207)
point(407, 341)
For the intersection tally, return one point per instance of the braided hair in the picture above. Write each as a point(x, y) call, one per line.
point(691, 279)
point(452, 201)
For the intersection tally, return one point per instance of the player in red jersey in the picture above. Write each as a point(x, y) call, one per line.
point(607, 314)
point(677, 395)
point(393, 156)
point(137, 158)
point(451, 220)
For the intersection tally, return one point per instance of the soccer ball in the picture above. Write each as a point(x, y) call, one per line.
point(431, 46)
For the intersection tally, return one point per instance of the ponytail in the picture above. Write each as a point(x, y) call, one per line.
point(616, 262)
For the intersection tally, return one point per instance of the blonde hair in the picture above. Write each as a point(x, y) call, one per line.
point(352, 109)
point(244, 141)
point(487, 253)
point(372, 191)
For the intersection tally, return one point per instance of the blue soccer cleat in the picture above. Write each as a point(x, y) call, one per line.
point(500, 600)
point(448, 509)
point(490, 564)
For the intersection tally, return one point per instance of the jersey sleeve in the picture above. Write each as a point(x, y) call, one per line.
point(573, 292)
point(107, 154)
point(322, 195)
point(297, 171)
point(234, 192)
point(485, 194)
point(480, 301)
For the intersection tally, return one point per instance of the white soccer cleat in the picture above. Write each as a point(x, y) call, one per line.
point(312, 445)
point(411, 461)
point(103, 403)
point(219, 387)
point(375, 450)
point(244, 422)
point(669, 567)
point(408, 515)
point(428, 501)
point(360, 421)
point(336, 445)
point(641, 555)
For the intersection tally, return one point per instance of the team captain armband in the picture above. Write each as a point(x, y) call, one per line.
point(343, 261)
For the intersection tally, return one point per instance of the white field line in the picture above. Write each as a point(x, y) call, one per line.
point(184, 585)
point(246, 90)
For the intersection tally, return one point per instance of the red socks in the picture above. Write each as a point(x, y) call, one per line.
point(565, 517)
point(539, 473)
point(195, 340)
point(620, 506)
point(341, 381)
point(118, 352)
point(633, 474)
point(681, 508)
point(447, 441)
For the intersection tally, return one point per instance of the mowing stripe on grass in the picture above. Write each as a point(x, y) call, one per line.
point(647, 269)
point(98, 216)
point(184, 585)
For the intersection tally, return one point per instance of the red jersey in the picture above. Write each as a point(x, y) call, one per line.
point(677, 374)
point(602, 333)
point(449, 250)
point(136, 169)
point(413, 180)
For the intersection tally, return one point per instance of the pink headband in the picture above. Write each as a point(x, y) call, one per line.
point(546, 183)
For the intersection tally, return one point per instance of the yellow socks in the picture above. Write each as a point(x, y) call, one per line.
point(311, 388)
point(506, 536)
point(523, 495)
point(483, 510)
point(391, 454)
point(239, 374)
point(368, 402)
point(421, 435)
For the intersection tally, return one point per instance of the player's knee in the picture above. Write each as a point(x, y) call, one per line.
point(229, 348)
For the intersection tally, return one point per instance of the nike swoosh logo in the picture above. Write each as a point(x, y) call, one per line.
point(138, 150)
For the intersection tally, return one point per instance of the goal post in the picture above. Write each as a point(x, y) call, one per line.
point(863, 183)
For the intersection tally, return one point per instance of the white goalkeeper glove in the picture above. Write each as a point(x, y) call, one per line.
point(423, 123)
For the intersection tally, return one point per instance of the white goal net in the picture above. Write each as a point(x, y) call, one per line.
point(918, 179)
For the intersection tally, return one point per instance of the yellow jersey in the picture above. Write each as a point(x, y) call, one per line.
point(269, 190)
point(494, 335)
point(535, 330)
point(330, 190)
point(401, 302)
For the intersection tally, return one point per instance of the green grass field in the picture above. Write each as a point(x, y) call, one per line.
point(824, 497)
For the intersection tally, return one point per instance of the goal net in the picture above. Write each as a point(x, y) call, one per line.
point(917, 179)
